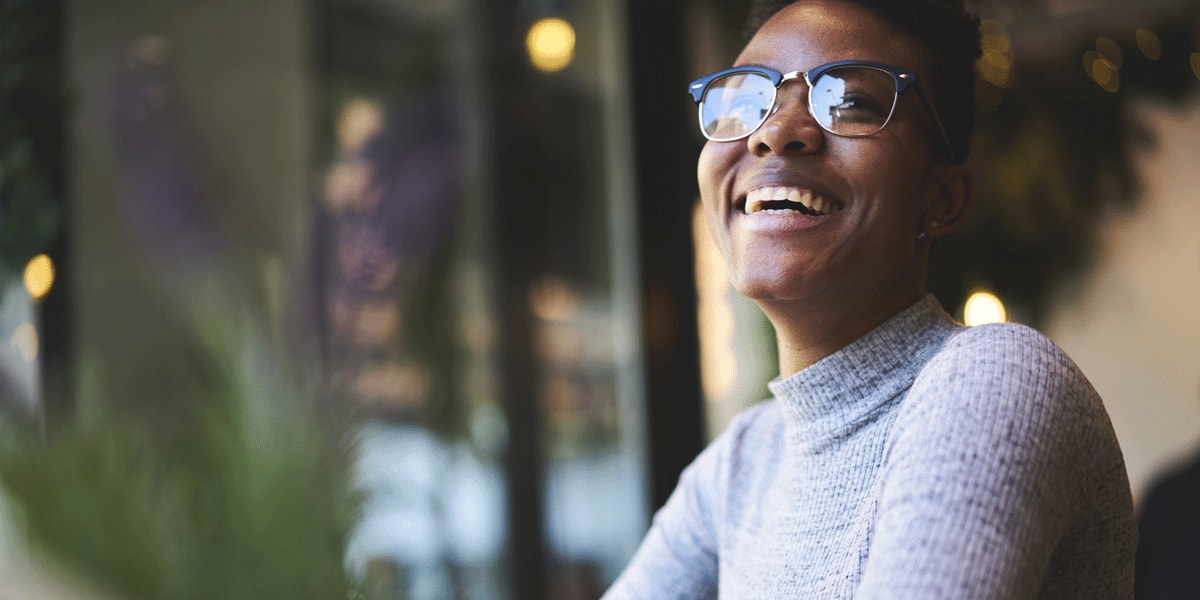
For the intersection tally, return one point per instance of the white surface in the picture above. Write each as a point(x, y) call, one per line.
point(426, 500)
point(16, 309)
point(1135, 326)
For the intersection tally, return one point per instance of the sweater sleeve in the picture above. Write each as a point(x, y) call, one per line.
point(985, 470)
point(677, 560)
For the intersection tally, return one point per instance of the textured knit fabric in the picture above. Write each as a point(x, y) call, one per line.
point(924, 460)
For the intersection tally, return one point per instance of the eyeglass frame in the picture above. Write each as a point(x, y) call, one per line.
point(903, 78)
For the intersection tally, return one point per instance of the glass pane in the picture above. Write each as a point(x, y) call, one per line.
point(409, 335)
point(569, 208)
point(734, 105)
point(20, 389)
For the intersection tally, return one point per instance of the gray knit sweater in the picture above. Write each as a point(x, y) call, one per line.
point(924, 460)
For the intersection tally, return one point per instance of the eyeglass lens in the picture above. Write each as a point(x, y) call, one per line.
point(847, 101)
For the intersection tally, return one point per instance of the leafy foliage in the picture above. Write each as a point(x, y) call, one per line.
point(232, 486)
point(253, 501)
point(1053, 157)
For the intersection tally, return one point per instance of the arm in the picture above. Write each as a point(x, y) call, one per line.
point(984, 473)
point(678, 557)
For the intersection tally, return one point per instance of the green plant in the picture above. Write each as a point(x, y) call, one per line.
point(251, 500)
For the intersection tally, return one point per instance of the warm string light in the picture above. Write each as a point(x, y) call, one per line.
point(1148, 43)
point(995, 65)
point(983, 307)
point(1111, 51)
point(1103, 64)
point(551, 44)
point(39, 276)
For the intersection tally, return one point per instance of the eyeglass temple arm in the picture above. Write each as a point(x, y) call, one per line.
point(953, 156)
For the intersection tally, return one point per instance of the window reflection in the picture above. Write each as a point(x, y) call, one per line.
point(19, 349)
point(405, 317)
point(417, 309)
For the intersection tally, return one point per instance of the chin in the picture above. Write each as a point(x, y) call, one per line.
point(770, 288)
point(785, 277)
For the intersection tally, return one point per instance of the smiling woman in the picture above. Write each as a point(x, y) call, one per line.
point(866, 260)
point(903, 455)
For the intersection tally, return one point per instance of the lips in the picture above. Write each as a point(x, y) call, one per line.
point(787, 198)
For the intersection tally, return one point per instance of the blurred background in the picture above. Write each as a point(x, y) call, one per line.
point(413, 297)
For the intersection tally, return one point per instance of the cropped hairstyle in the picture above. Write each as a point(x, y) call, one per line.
point(950, 36)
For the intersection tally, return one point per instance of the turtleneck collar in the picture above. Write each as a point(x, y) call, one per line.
point(848, 386)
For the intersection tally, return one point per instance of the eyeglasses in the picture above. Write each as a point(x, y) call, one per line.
point(847, 98)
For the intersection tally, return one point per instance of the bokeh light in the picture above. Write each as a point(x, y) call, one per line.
point(25, 340)
point(551, 44)
point(1148, 43)
point(983, 308)
point(1102, 70)
point(555, 299)
point(1110, 50)
point(360, 120)
point(995, 65)
point(151, 50)
point(39, 276)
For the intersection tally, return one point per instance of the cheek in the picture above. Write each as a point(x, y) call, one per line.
point(711, 173)
point(895, 186)
point(714, 167)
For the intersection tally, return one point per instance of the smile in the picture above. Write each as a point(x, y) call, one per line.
point(782, 198)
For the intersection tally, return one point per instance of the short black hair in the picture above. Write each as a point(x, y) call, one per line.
point(951, 37)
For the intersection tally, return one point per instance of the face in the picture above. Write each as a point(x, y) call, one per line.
point(874, 194)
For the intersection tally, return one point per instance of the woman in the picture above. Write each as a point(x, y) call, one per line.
point(903, 456)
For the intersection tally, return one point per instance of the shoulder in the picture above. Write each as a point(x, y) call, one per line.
point(742, 454)
point(713, 481)
point(1005, 368)
point(754, 425)
point(751, 437)
point(1003, 348)
point(1002, 463)
point(1009, 390)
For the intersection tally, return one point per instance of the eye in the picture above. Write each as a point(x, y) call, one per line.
point(853, 100)
point(858, 107)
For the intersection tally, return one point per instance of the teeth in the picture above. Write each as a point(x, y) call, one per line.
point(807, 199)
point(757, 197)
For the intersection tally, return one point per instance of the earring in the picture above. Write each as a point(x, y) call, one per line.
point(921, 235)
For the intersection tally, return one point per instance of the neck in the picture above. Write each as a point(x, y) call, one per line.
point(807, 332)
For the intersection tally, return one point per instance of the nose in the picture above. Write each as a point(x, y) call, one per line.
point(790, 128)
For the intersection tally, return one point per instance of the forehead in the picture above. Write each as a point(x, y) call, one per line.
point(810, 33)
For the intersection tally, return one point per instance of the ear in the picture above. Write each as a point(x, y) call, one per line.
point(947, 200)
